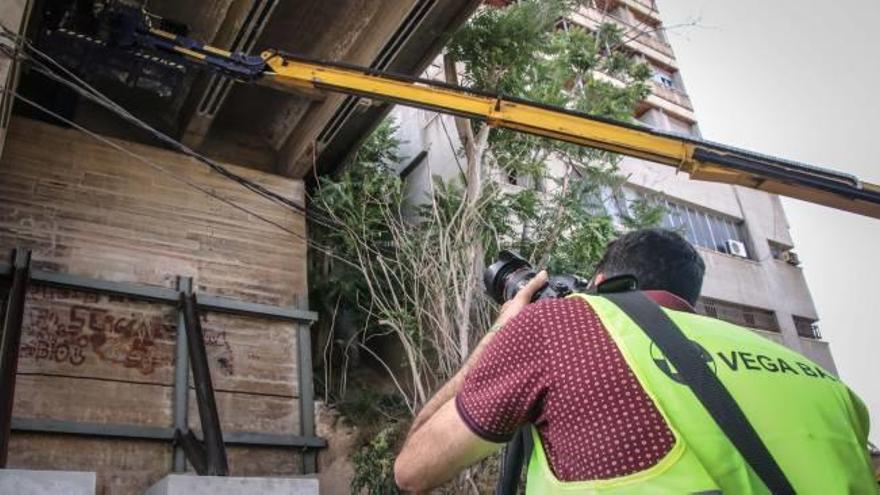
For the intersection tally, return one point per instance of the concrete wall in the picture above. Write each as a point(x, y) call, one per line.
point(435, 133)
point(86, 209)
point(177, 484)
point(660, 178)
point(24, 482)
point(761, 281)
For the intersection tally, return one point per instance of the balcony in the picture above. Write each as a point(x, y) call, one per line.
point(642, 38)
point(644, 7)
point(673, 95)
point(652, 39)
point(673, 103)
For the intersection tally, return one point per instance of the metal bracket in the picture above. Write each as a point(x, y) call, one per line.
point(210, 455)
point(194, 449)
point(305, 440)
point(181, 380)
point(9, 345)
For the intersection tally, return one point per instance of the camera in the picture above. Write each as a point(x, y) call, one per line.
point(504, 278)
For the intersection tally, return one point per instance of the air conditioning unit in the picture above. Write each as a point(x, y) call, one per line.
point(791, 258)
point(736, 248)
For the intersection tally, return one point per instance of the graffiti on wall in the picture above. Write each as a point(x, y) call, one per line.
point(71, 327)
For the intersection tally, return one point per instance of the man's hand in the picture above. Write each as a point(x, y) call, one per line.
point(512, 307)
point(439, 443)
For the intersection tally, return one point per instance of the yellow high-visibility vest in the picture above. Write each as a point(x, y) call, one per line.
point(814, 426)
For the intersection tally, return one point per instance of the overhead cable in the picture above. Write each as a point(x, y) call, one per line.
point(176, 177)
point(90, 92)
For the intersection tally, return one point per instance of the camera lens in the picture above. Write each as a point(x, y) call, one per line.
point(516, 281)
point(504, 278)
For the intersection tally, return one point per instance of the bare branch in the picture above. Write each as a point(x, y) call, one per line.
point(462, 125)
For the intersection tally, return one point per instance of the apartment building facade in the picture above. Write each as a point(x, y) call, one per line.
point(753, 274)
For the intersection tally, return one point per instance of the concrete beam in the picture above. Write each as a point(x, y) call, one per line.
point(204, 20)
point(356, 37)
point(237, 30)
point(182, 484)
point(416, 44)
point(30, 482)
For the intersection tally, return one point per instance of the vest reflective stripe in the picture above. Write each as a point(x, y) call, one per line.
point(814, 427)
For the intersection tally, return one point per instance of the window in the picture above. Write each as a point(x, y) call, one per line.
point(777, 251)
point(620, 203)
point(708, 307)
point(702, 228)
point(784, 253)
point(699, 227)
point(664, 78)
point(747, 316)
point(807, 327)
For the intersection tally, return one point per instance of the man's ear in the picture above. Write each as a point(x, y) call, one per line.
point(600, 277)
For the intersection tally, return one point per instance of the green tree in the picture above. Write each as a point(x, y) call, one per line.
point(412, 272)
point(528, 51)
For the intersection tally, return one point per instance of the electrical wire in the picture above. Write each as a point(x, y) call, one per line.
point(176, 177)
point(88, 91)
point(328, 251)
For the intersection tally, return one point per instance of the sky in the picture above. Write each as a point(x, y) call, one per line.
point(800, 80)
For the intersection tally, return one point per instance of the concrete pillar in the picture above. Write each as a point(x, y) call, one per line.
point(186, 484)
point(788, 330)
point(28, 482)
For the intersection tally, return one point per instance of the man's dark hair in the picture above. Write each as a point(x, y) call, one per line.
point(660, 259)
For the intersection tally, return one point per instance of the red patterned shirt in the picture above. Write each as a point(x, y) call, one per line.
point(556, 366)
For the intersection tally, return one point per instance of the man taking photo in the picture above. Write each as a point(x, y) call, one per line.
point(609, 412)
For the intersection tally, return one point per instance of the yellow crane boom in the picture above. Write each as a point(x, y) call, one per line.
point(702, 160)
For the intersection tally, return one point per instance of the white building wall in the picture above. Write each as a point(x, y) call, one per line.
point(421, 130)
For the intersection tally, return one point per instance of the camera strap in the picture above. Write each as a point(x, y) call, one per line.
point(687, 360)
point(516, 454)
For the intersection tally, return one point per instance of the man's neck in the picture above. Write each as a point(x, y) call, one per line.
point(670, 301)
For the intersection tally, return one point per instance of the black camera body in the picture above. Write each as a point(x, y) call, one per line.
point(504, 278)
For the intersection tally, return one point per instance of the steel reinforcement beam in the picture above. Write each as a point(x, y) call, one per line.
point(181, 378)
point(306, 441)
point(207, 302)
point(215, 460)
point(9, 344)
point(112, 430)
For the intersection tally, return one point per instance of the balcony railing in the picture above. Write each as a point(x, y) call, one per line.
point(648, 4)
point(645, 8)
point(643, 34)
